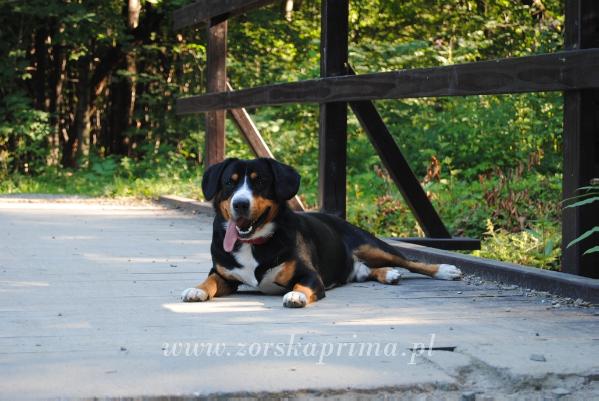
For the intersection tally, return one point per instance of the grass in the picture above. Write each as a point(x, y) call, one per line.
point(54, 181)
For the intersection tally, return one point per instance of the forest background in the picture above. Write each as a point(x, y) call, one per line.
point(87, 92)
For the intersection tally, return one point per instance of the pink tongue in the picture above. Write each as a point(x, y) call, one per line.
point(230, 237)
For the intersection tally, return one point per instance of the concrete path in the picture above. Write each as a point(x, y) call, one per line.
point(89, 306)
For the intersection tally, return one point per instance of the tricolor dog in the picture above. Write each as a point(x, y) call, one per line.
point(257, 240)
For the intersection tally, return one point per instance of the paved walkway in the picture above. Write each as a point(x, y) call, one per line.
point(89, 306)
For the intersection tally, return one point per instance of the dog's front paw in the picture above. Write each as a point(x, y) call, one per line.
point(194, 295)
point(448, 272)
point(294, 299)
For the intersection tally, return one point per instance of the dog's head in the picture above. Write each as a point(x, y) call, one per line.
point(249, 193)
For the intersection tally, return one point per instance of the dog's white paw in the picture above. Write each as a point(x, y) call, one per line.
point(194, 295)
point(392, 276)
point(294, 299)
point(448, 272)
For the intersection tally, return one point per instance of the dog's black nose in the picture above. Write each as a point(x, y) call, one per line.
point(241, 206)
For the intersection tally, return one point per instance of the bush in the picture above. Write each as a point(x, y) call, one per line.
point(538, 247)
point(24, 134)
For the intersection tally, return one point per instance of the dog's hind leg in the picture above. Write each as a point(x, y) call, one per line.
point(385, 275)
point(382, 255)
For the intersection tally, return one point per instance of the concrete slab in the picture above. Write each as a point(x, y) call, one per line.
point(89, 307)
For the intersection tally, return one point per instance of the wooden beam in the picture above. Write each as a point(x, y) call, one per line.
point(580, 144)
point(399, 169)
point(566, 285)
point(252, 136)
point(202, 11)
point(449, 244)
point(216, 74)
point(569, 70)
point(333, 116)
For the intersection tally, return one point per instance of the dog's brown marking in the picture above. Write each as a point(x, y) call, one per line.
point(253, 175)
point(375, 257)
point(235, 177)
point(215, 286)
point(223, 271)
point(422, 268)
point(225, 207)
point(260, 205)
point(307, 291)
point(286, 273)
point(380, 274)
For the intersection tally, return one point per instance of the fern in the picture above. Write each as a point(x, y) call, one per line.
point(591, 195)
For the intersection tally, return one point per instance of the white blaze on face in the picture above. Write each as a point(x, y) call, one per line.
point(243, 193)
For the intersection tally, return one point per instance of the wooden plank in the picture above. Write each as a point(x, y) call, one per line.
point(449, 244)
point(580, 144)
point(568, 70)
point(216, 74)
point(333, 116)
point(203, 10)
point(399, 169)
point(559, 283)
point(252, 136)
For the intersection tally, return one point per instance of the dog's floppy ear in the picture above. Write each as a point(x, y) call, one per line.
point(211, 178)
point(287, 180)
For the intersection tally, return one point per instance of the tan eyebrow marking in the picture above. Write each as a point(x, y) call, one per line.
point(235, 177)
point(253, 175)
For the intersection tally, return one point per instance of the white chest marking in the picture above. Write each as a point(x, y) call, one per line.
point(268, 285)
point(245, 273)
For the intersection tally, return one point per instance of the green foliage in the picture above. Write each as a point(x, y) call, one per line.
point(167, 173)
point(532, 247)
point(23, 136)
point(589, 195)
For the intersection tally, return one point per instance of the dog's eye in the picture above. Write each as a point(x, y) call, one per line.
point(232, 180)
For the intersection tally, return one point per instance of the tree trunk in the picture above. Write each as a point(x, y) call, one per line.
point(41, 54)
point(123, 92)
point(131, 60)
point(56, 82)
point(77, 144)
point(120, 98)
point(82, 113)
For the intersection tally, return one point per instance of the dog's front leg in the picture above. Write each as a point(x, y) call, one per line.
point(307, 288)
point(213, 286)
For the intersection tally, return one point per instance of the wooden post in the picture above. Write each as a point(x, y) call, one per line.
point(216, 76)
point(580, 144)
point(333, 116)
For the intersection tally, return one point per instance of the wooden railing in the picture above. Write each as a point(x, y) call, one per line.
point(574, 71)
point(568, 70)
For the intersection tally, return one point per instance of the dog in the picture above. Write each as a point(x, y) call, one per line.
point(259, 241)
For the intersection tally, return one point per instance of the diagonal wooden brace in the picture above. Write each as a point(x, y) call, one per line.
point(398, 168)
